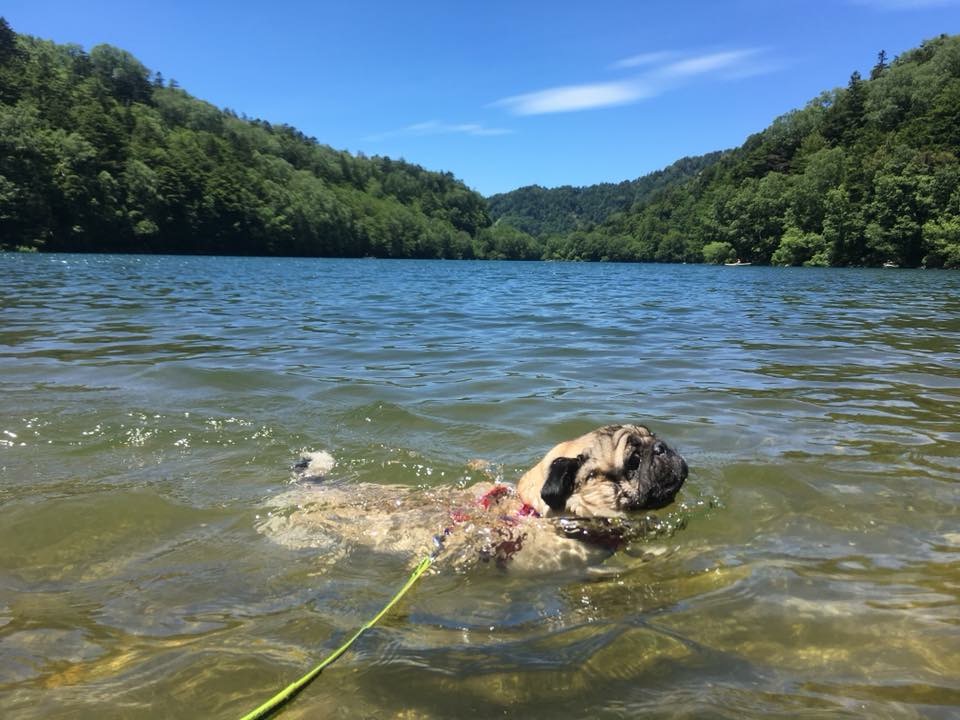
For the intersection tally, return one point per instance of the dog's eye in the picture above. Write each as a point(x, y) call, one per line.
point(633, 462)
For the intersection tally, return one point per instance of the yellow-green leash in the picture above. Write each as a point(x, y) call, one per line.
point(291, 690)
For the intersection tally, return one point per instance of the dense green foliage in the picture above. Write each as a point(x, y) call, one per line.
point(97, 154)
point(862, 175)
point(542, 212)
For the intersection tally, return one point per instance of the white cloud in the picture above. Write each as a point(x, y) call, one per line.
point(435, 127)
point(650, 58)
point(703, 64)
point(662, 72)
point(569, 98)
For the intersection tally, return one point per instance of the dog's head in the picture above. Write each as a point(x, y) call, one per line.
point(606, 473)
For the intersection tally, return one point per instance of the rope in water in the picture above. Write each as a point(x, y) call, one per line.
point(288, 693)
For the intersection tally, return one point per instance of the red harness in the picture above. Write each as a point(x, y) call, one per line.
point(490, 498)
point(493, 495)
point(610, 539)
point(504, 550)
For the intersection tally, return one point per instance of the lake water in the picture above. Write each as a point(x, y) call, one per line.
point(151, 408)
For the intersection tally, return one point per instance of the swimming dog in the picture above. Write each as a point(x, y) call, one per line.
point(610, 474)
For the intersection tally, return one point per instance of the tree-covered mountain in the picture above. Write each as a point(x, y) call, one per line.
point(98, 154)
point(863, 175)
point(541, 212)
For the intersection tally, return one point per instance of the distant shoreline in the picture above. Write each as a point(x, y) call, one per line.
point(53, 253)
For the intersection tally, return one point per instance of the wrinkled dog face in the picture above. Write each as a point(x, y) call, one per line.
point(607, 473)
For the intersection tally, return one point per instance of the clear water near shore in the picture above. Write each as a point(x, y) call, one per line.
point(150, 408)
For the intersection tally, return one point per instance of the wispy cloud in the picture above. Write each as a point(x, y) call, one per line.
point(663, 71)
point(650, 58)
point(703, 64)
point(570, 98)
point(435, 127)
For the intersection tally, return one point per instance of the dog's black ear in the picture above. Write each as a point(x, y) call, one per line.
point(559, 484)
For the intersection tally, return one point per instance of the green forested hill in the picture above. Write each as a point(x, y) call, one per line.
point(98, 154)
point(862, 175)
point(541, 212)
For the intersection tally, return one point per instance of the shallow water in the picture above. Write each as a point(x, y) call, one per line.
point(151, 407)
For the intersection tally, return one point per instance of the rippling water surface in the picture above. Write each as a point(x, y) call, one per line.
point(151, 407)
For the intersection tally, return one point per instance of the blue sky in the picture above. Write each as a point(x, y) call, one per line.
point(506, 93)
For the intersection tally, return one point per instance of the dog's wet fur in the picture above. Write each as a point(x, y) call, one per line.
point(614, 473)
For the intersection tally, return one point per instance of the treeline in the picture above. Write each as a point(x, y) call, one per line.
point(863, 175)
point(98, 154)
point(542, 212)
